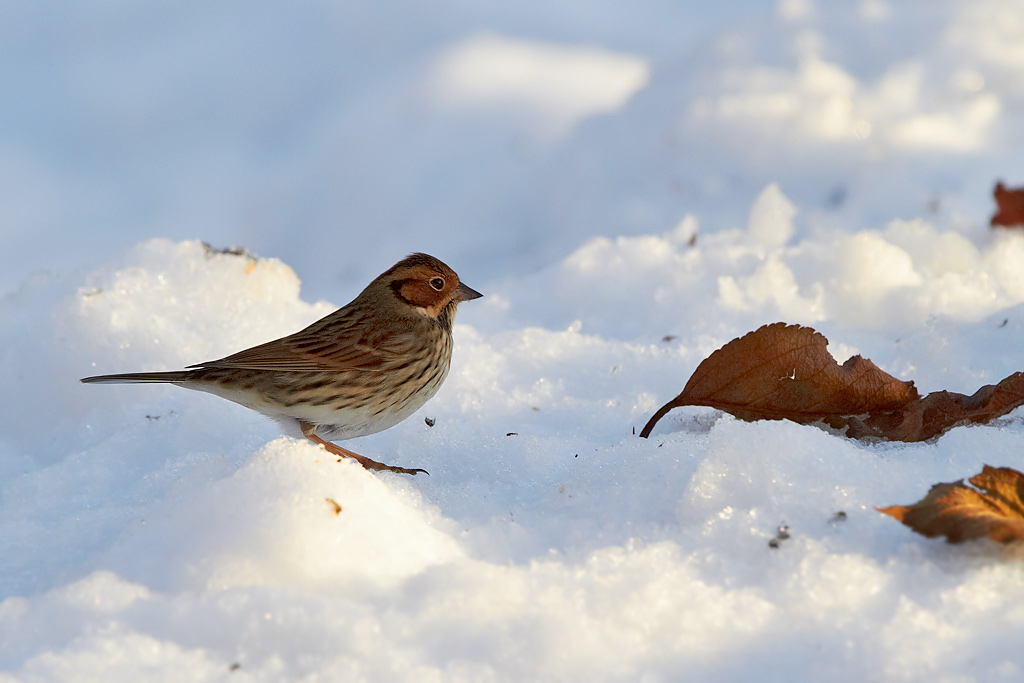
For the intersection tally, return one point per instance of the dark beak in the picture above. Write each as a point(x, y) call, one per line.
point(467, 293)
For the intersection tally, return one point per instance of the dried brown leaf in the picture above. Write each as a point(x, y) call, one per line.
point(994, 509)
point(786, 372)
point(1009, 206)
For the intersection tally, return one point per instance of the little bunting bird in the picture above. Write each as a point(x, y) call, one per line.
point(364, 368)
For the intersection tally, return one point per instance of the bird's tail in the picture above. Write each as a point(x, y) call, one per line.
point(138, 378)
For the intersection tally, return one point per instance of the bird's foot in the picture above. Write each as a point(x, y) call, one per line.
point(309, 431)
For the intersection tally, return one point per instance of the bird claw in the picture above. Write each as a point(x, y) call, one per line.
point(405, 470)
point(370, 464)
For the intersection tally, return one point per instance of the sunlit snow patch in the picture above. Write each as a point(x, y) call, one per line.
point(903, 273)
point(822, 100)
point(553, 86)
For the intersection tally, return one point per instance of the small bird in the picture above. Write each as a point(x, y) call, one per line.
point(357, 371)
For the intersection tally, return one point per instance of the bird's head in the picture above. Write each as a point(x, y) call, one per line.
point(427, 286)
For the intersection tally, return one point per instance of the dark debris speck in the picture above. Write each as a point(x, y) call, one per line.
point(209, 251)
point(781, 534)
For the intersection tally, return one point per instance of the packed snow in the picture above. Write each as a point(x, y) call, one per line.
point(630, 185)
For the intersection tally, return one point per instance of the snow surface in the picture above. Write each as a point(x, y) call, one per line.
point(631, 185)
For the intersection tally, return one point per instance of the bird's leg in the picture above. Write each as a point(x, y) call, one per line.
point(309, 431)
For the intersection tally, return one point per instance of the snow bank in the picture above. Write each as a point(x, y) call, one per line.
point(549, 542)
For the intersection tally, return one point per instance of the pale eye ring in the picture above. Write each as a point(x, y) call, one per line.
point(437, 283)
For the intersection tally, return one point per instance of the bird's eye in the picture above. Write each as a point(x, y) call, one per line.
point(437, 283)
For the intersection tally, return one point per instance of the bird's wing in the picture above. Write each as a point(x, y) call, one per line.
point(314, 350)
